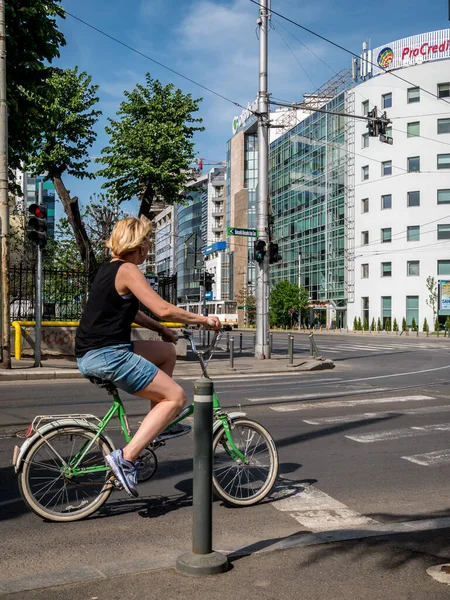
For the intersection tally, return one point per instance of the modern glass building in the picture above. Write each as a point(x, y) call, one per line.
point(307, 190)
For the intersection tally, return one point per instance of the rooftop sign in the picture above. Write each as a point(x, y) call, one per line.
point(411, 51)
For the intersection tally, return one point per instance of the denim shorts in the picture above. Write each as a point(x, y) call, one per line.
point(128, 371)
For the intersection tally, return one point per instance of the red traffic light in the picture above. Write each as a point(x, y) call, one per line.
point(38, 210)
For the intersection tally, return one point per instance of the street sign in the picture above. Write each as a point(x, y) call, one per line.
point(209, 295)
point(241, 306)
point(291, 311)
point(242, 232)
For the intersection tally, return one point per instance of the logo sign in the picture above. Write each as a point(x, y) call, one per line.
point(412, 51)
point(152, 281)
point(209, 295)
point(444, 295)
point(245, 115)
point(385, 57)
point(242, 232)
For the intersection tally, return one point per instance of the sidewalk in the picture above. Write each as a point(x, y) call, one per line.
point(59, 368)
point(389, 567)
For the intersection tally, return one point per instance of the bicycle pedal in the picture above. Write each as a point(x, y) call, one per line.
point(116, 483)
point(157, 444)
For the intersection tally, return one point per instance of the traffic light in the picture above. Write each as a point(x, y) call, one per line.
point(273, 253)
point(209, 280)
point(260, 250)
point(37, 225)
point(372, 124)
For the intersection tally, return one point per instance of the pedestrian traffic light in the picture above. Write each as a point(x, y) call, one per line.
point(260, 250)
point(372, 125)
point(37, 225)
point(209, 280)
point(273, 253)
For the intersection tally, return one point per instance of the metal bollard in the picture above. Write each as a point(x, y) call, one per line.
point(254, 343)
point(232, 353)
point(428, 332)
point(270, 342)
point(202, 560)
point(240, 342)
point(291, 350)
point(204, 336)
point(209, 339)
point(228, 341)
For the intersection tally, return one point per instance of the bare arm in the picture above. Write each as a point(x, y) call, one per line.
point(130, 279)
point(148, 322)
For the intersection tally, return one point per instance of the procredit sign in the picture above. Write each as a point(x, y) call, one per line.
point(411, 51)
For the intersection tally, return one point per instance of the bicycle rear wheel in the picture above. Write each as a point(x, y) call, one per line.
point(44, 482)
point(239, 483)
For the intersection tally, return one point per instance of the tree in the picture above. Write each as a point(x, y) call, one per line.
point(387, 325)
point(404, 325)
point(151, 148)
point(425, 325)
point(359, 324)
point(70, 118)
point(249, 301)
point(413, 324)
point(32, 42)
point(355, 324)
point(436, 326)
point(285, 296)
point(366, 325)
point(372, 325)
point(379, 328)
point(447, 324)
point(432, 294)
point(395, 325)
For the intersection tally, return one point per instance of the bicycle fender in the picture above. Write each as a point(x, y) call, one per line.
point(47, 428)
point(231, 416)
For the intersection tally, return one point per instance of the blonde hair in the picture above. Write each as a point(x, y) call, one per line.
point(128, 234)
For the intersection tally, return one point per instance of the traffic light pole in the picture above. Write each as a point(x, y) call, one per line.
point(5, 361)
point(262, 268)
point(38, 300)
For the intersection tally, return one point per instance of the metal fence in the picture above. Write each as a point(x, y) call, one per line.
point(64, 293)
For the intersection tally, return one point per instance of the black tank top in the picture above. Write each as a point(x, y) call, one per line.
point(107, 317)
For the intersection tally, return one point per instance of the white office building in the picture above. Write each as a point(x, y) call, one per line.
point(401, 203)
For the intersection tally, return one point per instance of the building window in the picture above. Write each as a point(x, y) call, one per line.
point(365, 107)
point(365, 140)
point(413, 233)
point(365, 271)
point(386, 235)
point(412, 310)
point(443, 196)
point(364, 238)
point(365, 172)
point(443, 232)
point(413, 95)
point(386, 304)
point(386, 269)
point(443, 126)
point(365, 205)
point(386, 168)
point(413, 198)
point(443, 267)
point(413, 129)
point(443, 161)
point(413, 268)
point(389, 131)
point(386, 201)
point(444, 90)
point(386, 100)
point(365, 310)
point(413, 164)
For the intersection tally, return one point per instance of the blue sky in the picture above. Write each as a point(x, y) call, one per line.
point(214, 42)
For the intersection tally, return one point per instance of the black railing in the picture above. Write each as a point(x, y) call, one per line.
point(64, 294)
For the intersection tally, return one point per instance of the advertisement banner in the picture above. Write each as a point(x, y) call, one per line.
point(444, 295)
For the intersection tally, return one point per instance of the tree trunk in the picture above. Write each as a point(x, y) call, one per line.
point(145, 208)
point(72, 210)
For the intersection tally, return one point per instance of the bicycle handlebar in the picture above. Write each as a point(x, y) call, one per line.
point(188, 335)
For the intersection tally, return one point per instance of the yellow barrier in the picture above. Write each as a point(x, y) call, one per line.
point(18, 324)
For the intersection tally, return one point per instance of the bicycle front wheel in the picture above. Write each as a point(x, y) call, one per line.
point(241, 483)
point(45, 480)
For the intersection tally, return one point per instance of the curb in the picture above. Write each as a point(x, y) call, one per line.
point(43, 373)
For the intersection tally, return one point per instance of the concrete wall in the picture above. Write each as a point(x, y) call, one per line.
point(60, 341)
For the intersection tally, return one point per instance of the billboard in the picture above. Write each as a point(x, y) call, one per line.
point(444, 295)
point(411, 51)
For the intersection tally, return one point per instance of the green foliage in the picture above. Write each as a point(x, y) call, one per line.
point(249, 301)
point(395, 326)
point(372, 325)
point(447, 324)
point(413, 324)
point(355, 324)
point(387, 325)
point(32, 42)
point(432, 294)
point(404, 325)
point(151, 149)
point(366, 325)
point(359, 328)
point(436, 325)
point(425, 325)
point(379, 327)
point(286, 295)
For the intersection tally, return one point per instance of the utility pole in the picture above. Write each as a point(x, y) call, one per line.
point(38, 302)
point(262, 268)
point(5, 362)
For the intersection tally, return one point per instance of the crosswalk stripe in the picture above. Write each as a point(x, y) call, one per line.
point(315, 395)
point(342, 403)
point(430, 459)
point(377, 415)
point(394, 434)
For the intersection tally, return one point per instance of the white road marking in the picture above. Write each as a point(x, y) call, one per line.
point(395, 434)
point(430, 459)
point(345, 403)
point(317, 395)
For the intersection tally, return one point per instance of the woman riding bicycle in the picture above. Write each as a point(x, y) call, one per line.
point(104, 349)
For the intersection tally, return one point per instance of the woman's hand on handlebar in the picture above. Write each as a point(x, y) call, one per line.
point(212, 323)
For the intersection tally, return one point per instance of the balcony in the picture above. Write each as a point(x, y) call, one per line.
point(218, 212)
point(217, 228)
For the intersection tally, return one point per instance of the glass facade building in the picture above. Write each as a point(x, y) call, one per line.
point(307, 190)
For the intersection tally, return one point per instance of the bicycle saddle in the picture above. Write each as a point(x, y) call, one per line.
point(104, 383)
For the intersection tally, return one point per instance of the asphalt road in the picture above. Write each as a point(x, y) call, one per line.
point(363, 448)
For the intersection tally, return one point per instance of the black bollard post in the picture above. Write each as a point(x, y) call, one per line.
point(232, 353)
point(254, 343)
point(240, 342)
point(228, 341)
point(291, 350)
point(209, 332)
point(270, 342)
point(202, 560)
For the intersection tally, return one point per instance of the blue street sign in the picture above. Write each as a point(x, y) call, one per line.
point(209, 295)
point(215, 248)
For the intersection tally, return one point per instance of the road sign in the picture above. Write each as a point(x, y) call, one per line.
point(242, 232)
point(209, 295)
point(291, 311)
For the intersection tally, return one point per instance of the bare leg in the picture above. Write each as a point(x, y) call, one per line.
point(161, 354)
point(168, 398)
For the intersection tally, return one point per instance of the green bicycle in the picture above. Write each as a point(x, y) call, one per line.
point(63, 475)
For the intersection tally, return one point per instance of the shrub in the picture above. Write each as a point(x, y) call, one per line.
point(447, 323)
point(404, 326)
point(355, 324)
point(395, 327)
point(413, 324)
point(366, 325)
point(436, 325)
point(359, 324)
point(425, 325)
point(387, 325)
point(379, 324)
